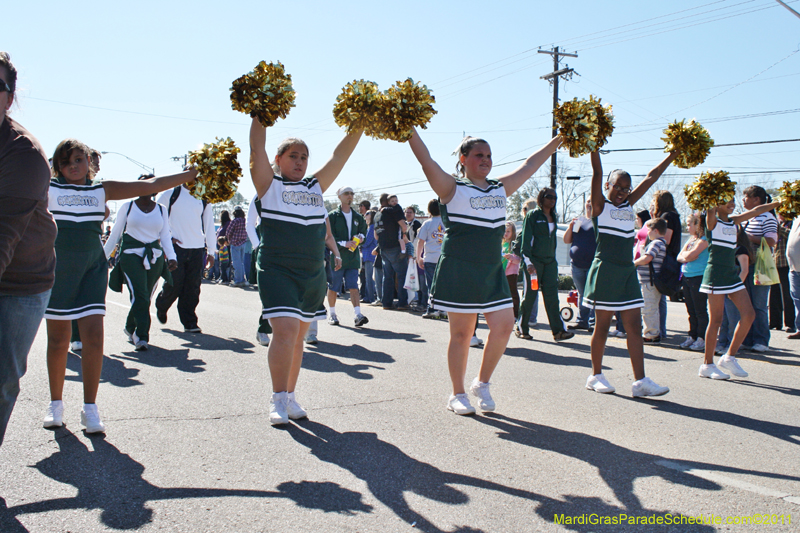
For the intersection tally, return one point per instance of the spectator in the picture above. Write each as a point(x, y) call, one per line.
point(391, 228)
point(764, 226)
point(368, 259)
point(580, 234)
point(429, 248)
point(511, 262)
point(663, 206)
point(781, 306)
point(413, 229)
point(653, 256)
point(528, 205)
point(237, 243)
point(694, 258)
point(253, 220)
point(348, 229)
point(793, 258)
point(224, 254)
point(27, 236)
point(363, 207)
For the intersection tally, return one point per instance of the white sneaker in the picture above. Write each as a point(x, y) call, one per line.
point(698, 346)
point(141, 346)
point(731, 365)
point(647, 387)
point(475, 342)
point(688, 342)
point(90, 419)
point(459, 404)
point(76, 346)
point(720, 350)
point(618, 333)
point(262, 338)
point(711, 371)
point(599, 383)
point(481, 391)
point(55, 414)
point(760, 348)
point(360, 320)
point(333, 321)
point(293, 409)
point(277, 408)
point(133, 338)
point(310, 339)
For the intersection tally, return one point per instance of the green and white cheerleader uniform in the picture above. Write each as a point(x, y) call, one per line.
point(612, 284)
point(291, 268)
point(81, 267)
point(469, 276)
point(721, 275)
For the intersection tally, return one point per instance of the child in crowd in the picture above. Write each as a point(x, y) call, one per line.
point(694, 258)
point(224, 252)
point(654, 253)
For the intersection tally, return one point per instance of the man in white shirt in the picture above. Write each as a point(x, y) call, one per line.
point(793, 256)
point(192, 224)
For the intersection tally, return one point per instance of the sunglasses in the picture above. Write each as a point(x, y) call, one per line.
point(620, 189)
point(4, 86)
point(550, 197)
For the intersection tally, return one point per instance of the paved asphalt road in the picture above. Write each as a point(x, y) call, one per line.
point(189, 449)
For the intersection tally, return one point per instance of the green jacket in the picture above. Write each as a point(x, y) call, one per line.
point(537, 241)
point(340, 235)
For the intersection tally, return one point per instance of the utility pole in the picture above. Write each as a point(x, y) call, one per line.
point(789, 8)
point(553, 78)
point(179, 157)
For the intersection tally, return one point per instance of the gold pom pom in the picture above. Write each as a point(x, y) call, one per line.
point(585, 125)
point(265, 93)
point(218, 171)
point(358, 107)
point(790, 200)
point(710, 190)
point(406, 105)
point(692, 140)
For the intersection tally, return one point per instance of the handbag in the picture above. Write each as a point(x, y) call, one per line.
point(412, 282)
point(766, 273)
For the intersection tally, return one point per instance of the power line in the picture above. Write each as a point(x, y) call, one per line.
point(715, 146)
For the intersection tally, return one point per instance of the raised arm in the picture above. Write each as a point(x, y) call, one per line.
point(121, 190)
point(442, 183)
point(335, 164)
point(751, 213)
point(711, 218)
point(651, 178)
point(596, 194)
point(260, 168)
point(516, 179)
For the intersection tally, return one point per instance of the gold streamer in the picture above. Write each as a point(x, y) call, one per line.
point(265, 93)
point(358, 107)
point(585, 125)
point(710, 190)
point(218, 171)
point(790, 200)
point(691, 139)
point(406, 105)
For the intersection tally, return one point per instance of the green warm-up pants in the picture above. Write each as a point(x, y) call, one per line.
point(141, 285)
point(548, 285)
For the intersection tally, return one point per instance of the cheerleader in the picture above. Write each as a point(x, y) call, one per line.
point(291, 275)
point(143, 226)
point(720, 279)
point(469, 277)
point(611, 284)
point(79, 292)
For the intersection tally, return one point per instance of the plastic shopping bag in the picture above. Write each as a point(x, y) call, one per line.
point(412, 282)
point(766, 273)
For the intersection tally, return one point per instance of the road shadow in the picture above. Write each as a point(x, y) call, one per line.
point(111, 481)
point(391, 335)
point(774, 356)
point(617, 466)
point(114, 372)
point(162, 358)
point(779, 431)
point(207, 342)
point(317, 360)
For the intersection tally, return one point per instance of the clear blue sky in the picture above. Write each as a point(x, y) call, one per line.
point(151, 79)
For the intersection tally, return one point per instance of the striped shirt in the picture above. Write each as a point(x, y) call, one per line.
point(657, 249)
point(764, 225)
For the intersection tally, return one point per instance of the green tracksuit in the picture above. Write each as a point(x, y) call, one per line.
point(539, 248)
point(340, 233)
